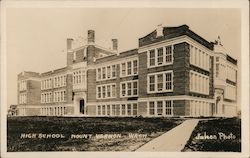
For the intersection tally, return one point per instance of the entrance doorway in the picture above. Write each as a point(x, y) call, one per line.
point(81, 106)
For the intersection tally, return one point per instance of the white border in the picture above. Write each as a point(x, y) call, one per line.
point(243, 4)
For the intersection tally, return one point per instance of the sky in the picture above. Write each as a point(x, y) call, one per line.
point(36, 37)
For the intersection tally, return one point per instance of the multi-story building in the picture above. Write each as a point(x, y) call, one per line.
point(173, 72)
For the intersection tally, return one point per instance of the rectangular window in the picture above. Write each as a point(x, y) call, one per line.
point(117, 109)
point(129, 89)
point(104, 73)
point(151, 108)
point(123, 69)
point(168, 107)
point(129, 68)
point(108, 72)
point(168, 81)
point(108, 110)
point(135, 66)
point(152, 57)
point(103, 92)
point(113, 110)
point(123, 89)
point(99, 110)
point(152, 83)
point(108, 91)
point(159, 108)
point(99, 92)
point(99, 74)
point(135, 87)
point(123, 109)
point(113, 90)
point(103, 110)
point(113, 70)
point(135, 109)
point(168, 54)
point(129, 111)
point(160, 82)
point(160, 56)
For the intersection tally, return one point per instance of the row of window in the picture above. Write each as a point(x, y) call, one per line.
point(160, 56)
point(46, 83)
point(60, 96)
point(129, 109)
point(129, 68)
point(199, 83)
point(199, 58)
point(200, 108)
point(231, 73)
point(106, 72)
point(160, 82)
point(22, 85)
point(23, 98)
point(106, 91)
point(46, 97)
point(79, 76)
point(53, 111)
point(230, 92)
point(60, 81)
point(129, 89)
point(160, 108)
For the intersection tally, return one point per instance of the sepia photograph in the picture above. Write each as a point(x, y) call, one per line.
point(89, 78)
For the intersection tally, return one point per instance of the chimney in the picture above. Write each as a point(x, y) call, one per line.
point(115, 44)
point(159, 30)
point(91, 36)
point(69, 43)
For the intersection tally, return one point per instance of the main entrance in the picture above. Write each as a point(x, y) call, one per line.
point(81, 106)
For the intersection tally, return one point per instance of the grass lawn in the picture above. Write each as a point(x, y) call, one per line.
point(151, 127)
point(218, 136)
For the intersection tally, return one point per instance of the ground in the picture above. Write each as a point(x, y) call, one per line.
point(222, 134)
point(30, 128)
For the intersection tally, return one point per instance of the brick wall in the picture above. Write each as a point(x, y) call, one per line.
point(32, 111)
point(142, 108)
point(179, 107)
point(91, 85)
point(69, 89)
point(181, 68)
point(91, 110)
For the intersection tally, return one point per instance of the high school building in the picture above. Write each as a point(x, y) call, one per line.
point(173, 72)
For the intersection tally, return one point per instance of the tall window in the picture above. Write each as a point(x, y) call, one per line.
point(151, 108)
point(159, 82)
point(152, 57)
point(108, 72)
point(113, 71)
point(103, 72)
point(159, 108)
point(152, 83)
point(129, 68)
point(99, 73)
point(123, 69)
point(160, 56)
point(168, 107)
point(135, 64)
point(169, 54)
point(129, 65)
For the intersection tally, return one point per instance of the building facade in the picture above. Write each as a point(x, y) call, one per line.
point(174, 72)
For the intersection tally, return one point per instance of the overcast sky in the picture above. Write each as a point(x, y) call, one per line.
point(36, 38)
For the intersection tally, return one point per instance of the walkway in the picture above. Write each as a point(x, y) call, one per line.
point(173, 140)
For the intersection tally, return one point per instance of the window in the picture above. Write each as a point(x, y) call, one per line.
point(160, 82)
point(134, 109)
point(117, 111)
point(129, 65)
point(199, 58)
point(103, 110)
point(199, 83)
point(123, 69)
point(152, 83)
point(108, 109)
point(160, 56)
point(159, 108)
point(113, 109)
point(129, 68)
point(99, 74)
point(135, 64)
point(108, 72)
point(152, 57)
point(129, 111)
point(151, 108)
point(113, 71)
point(123, 109)
point(106, 91)
point(168, 107)
point(129, 88)
point(99, 92)
point(169, 54)
point(104, 73)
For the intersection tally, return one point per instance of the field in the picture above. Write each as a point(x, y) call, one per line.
point(222, 134)
point(83, 133)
